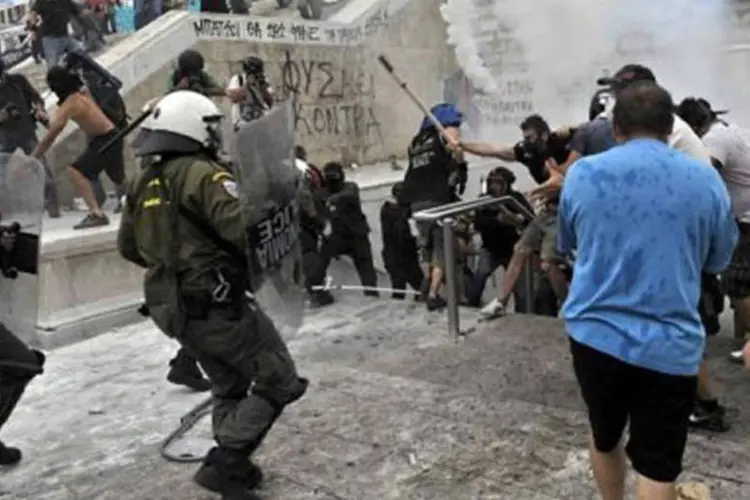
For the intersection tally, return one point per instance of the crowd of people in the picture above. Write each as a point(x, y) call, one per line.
point(638, 275)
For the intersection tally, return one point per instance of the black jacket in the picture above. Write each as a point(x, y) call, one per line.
point(397, 238)
point(344, 210)
point(498, 238)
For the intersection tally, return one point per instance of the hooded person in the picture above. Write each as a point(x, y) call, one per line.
point(349, 230)
point(499, 230)
point(400, 249)
point(436, 175)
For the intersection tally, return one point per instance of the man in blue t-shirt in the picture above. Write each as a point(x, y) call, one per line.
point(636, 336)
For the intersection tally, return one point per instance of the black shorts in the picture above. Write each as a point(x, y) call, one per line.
point(657, 405)
point(91, 163)
point(735, 280)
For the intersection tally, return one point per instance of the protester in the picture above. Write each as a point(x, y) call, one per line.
point(499, 231)
point(635, 333)
point(436, 176)
point(55, 16)
point(258, 93)
point(730, 154)
point(76, 104)
point(543, 152)
point(400, 248)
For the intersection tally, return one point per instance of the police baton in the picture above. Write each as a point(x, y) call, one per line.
point(415, 98)
point(122, 133)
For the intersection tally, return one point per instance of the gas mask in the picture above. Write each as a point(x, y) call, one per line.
point(536, 147)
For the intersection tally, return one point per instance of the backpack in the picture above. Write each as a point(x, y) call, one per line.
point(112, 104)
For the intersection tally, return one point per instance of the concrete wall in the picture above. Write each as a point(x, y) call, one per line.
point(348, 106)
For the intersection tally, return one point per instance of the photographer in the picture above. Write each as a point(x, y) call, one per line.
point(21, 107)
point(258, 94)
point(190, 75)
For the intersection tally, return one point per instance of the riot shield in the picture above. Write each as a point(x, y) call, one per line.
point(268, 186)
point(21, 209)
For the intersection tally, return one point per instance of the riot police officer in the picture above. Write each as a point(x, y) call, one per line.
point(190, 75)
point(349, 229)
point(182, 223)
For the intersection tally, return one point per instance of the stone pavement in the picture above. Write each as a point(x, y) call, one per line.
point(396, 410)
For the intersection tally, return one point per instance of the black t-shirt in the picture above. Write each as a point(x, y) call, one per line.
point(558, 147)
point(496, 237)
point(427, 180)
point(56, 15)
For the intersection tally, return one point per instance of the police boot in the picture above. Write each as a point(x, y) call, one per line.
point(321, 298)
point(230, 473)
point(9, 456)
point(184, 371)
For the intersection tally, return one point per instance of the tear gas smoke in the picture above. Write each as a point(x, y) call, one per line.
point(560, 47)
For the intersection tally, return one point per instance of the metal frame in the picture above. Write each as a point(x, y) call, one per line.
point(445, 215)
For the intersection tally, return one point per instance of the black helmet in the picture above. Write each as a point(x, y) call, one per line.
point(253, 65)
point(190, 61)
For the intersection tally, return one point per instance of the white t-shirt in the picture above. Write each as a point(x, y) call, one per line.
point(729, 146)
point(234, 83)
point(684, 139)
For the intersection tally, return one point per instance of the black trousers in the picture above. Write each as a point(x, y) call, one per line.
point(358, 249)
point(18, 365)
point(403, 268)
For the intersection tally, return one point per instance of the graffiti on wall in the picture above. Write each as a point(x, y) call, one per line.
point(257, 29)
point(332, 99)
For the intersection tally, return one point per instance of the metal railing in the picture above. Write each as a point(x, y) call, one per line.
point(445, 216)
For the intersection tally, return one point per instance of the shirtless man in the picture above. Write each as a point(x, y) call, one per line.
point(75, 103)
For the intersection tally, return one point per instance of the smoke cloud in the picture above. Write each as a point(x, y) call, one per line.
point(567, 44)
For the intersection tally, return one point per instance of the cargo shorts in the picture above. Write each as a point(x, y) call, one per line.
point(541, 236)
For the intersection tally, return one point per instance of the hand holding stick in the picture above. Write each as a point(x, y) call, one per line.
point(420, 104)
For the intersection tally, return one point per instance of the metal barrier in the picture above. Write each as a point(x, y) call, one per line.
point(445, 216)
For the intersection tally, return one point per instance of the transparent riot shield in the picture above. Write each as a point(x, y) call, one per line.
point(21, 209)
point(269, 186)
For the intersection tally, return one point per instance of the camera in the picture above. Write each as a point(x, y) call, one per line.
point(18, 251)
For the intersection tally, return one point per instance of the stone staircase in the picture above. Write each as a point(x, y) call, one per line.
point(36, 73)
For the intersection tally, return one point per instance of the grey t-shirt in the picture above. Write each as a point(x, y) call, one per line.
point(594, 137)
point(729, 146)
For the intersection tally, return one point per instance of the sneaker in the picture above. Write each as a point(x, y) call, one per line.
point(736, 357)
point(92, 220)
point(708, 415)
point(493, 309)
point(9, 456)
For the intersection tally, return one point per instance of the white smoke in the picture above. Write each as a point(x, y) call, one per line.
point(567, 44)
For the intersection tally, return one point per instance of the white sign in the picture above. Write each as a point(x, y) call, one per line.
point(279, 30)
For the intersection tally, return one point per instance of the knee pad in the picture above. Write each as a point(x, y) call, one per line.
point(278, 398)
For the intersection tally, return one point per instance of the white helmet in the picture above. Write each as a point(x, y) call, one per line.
point(182, 122)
